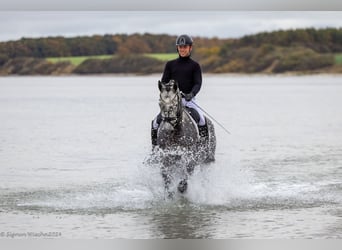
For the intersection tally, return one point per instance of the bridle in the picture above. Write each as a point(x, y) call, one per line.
point(175, 102)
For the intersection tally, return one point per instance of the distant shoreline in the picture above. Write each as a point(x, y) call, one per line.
point(158, 76)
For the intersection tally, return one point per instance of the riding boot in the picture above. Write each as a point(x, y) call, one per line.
point(203, 130)
point(154, 132)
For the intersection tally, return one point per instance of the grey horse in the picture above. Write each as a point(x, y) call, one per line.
point(179, 146)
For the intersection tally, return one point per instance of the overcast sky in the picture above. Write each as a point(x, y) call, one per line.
point(225, 24)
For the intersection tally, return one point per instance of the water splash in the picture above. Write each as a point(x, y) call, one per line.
point(226, 183)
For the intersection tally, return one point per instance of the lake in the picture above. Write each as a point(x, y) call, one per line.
point(73, 156)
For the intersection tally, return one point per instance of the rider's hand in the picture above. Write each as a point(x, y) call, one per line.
point(188, 97)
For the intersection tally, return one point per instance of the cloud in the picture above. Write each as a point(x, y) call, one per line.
point(224, 24)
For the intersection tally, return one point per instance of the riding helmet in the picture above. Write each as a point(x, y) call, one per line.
point(184, 40)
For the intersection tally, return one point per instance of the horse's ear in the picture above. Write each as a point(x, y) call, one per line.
point(175, 85)
point(160, 85)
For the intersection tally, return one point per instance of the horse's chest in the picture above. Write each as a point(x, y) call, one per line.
point(178, 138)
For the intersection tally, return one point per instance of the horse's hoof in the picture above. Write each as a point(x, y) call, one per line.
point(182, 186)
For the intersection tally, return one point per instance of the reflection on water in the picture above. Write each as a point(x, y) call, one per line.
point(182, 221)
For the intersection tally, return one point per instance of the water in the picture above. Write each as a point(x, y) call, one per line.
point(73, 152)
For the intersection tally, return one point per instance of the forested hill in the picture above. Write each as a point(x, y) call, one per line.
point(322, 40)
point(271, 52)
point(96, 45)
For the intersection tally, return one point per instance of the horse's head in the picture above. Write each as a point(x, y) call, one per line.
point(170, 102)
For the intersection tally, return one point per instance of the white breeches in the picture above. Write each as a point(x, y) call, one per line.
point(192, 104)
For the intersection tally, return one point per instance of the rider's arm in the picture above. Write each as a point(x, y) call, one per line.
point(167, 73)
point(197, 79)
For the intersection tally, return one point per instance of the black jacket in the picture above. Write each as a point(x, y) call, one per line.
point(186, 72)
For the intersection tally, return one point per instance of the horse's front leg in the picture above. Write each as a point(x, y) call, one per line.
point(165, 172)
point(183, 185)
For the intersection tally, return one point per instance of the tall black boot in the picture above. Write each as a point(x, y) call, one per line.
point(154, 133)
point(203, 130)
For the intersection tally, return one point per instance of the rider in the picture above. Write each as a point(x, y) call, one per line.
point(188, 74)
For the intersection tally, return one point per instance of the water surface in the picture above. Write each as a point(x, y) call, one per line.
point(73, 152)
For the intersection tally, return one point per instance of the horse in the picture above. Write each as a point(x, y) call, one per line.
point(179, 145)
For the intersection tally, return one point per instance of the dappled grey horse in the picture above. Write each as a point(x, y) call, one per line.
point(179, 145)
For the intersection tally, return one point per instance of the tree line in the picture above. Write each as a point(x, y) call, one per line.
point(273, 52)
point(122, 44)
point(319, 40)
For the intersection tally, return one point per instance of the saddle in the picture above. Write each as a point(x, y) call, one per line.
point(202, 130)
point(194, 114)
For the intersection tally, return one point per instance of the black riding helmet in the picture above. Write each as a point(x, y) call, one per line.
point(184, 40)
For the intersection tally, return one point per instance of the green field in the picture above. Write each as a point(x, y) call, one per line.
point(163, 56)
point(338, 58)
point(77, 60)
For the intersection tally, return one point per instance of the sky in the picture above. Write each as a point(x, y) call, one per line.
point(222, 24)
